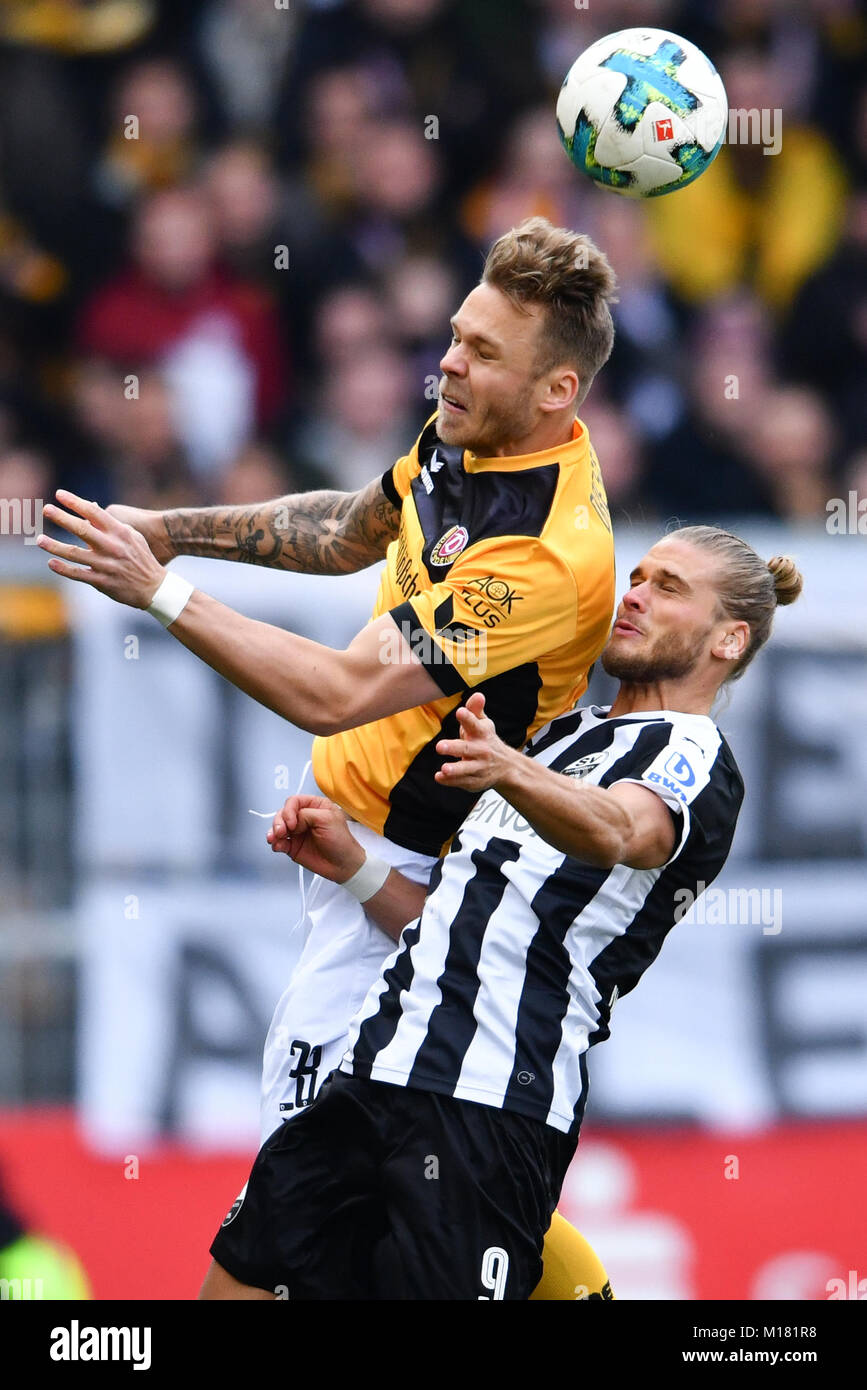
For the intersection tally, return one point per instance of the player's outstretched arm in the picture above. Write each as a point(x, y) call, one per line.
point(313, 686)
point(604, 826)
point(310, 532)
point(314, 832)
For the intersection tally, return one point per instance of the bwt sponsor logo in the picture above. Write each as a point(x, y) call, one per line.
point(719, 907)
point(77, 1343)
point(21, 516)
point(676, 775)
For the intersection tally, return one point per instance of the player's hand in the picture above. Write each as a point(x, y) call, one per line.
point(483, 758)
point(313, 832)
point(114, 558)
point(148, 524)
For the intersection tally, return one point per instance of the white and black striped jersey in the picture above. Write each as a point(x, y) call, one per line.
point(497, 991)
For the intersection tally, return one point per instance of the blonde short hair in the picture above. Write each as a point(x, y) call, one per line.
point(537, 263)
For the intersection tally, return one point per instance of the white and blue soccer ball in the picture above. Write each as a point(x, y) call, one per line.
point(642, 112)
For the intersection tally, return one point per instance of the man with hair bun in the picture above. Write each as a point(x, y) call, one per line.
point(556, 895)
point(499, 578)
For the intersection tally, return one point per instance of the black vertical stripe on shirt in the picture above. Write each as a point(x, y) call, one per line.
point(377, 1031)
point(564, 726)
point(638, 758)
point(593, 741)
point(538, 1027)
point(451, 1026)
point(581, 1102)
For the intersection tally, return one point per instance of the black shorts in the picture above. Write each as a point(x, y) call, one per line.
point(377, 1191)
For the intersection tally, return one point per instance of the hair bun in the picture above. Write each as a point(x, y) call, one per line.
point(788, 580)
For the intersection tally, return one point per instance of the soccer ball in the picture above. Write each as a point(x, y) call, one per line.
point(643, 112)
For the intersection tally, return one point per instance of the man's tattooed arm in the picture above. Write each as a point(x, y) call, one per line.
point(311, 532)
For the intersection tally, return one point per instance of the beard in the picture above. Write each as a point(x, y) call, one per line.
point(671, 657)
point(509, 423)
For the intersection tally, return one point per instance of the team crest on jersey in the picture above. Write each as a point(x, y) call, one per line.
point(449, 546)
point(584, 765)
point(235, 1207)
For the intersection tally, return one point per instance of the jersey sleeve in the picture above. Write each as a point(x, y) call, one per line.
point(504, 603)
point(678, 773)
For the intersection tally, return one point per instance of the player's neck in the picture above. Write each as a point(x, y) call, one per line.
point(548, 434)
point(674, 695)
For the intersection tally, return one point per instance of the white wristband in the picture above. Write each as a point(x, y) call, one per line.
point(170, 599)
point(368, 880)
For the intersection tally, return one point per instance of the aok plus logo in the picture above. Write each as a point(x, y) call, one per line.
point(490, 598)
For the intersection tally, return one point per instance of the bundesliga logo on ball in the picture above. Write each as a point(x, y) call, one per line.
point(642, 112)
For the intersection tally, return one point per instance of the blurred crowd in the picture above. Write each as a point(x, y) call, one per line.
point(232, 233)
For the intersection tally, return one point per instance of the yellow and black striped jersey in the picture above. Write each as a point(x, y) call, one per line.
point(501, 579)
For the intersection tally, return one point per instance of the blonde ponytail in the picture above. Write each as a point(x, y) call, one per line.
point(788, 581)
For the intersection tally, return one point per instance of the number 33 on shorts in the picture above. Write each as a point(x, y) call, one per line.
point(304, 1071)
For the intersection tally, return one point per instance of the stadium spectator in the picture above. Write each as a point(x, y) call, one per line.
point(349, 321)
point(365, 415)
point(617, 442)
point(791, 439)
point(258, 471)
point(429, 58)
point(173, 299)
point(245, 46)
point(704, 467)
point(421, 291)
point(529, 182)
point(152, 141)
point(763, 219)
point(396, 178)
point(646, 372)
point(831, 354)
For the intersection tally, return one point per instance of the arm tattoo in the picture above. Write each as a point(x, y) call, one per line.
point(310, 532)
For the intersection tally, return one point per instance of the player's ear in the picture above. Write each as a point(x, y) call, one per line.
point(563, 385)
point(732, 640)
